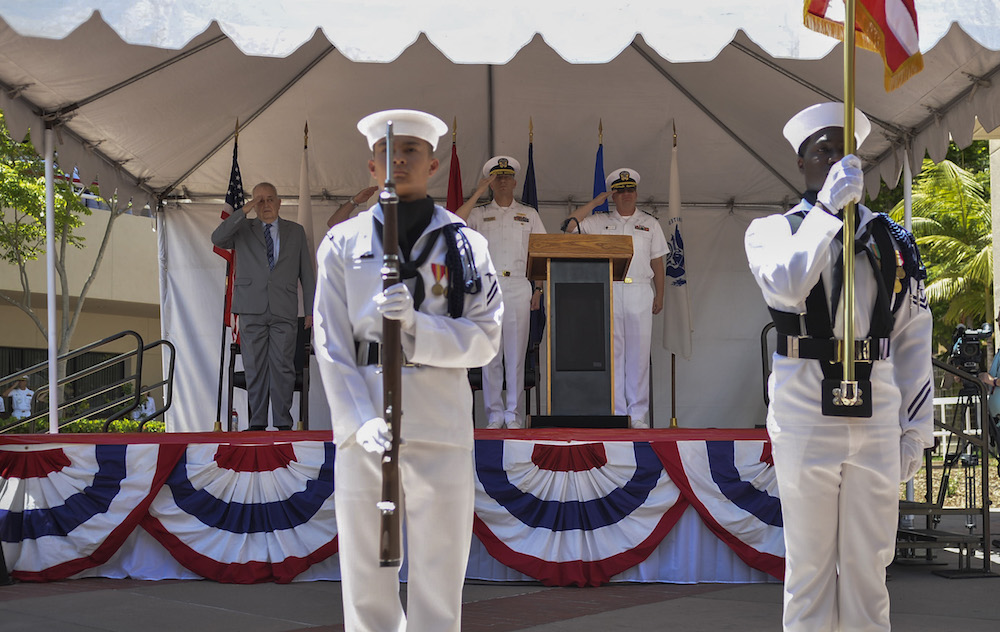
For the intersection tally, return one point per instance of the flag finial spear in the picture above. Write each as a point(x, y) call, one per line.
point(236, 132)
point(531, 130)
point(600, 131)
point(454, 129)
point(305, 136)
point(674, 123)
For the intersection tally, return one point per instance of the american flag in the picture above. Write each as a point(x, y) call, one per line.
point(887, 27)
point(234, 202)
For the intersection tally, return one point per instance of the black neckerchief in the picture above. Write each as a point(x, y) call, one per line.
point(413, 218)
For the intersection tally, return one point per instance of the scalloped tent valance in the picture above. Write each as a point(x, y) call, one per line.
point(145, 94)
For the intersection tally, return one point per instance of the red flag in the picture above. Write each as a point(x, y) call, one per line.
point(888, 27)
point(234, 202)
point(455, 198)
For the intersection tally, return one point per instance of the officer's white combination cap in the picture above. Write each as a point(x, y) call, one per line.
point(621, 178)
point(501, 165)
point(404, 123)
point(821, 116)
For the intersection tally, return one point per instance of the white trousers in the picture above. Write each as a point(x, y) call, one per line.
point(633, 323)
point(509, 361)
point(838, 479)
point(437, 500)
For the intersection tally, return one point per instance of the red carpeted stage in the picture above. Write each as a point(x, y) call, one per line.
point(564, 507)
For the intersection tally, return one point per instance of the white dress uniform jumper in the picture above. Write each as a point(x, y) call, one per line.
point(838, 476)
point(507, 230)
point(435, 458)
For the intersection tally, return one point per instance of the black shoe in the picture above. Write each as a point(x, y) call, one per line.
point(255, 429)
point(283, 428)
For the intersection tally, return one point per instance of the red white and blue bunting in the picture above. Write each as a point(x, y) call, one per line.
point(593, 509)
point(563, 512)
point(248, 513)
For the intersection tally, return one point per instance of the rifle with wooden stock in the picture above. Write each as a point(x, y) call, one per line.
point(392, 371)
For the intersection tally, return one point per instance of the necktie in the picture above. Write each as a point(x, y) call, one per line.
point(269, 242)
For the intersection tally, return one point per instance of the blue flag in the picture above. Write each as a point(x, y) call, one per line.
point(599, 186)
point(529, 194)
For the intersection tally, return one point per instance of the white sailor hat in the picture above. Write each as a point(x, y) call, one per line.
point(821, 116)
point(621, 178)
point(501, 165)
point(404, 123)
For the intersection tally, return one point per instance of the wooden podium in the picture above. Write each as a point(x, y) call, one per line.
point(578, 271)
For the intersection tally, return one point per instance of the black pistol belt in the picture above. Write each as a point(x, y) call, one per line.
point(370, 353)
point(830, 349)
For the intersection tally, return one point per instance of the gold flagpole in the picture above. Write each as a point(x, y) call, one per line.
point(454, 129)
point(305, 136)
point(849, 395)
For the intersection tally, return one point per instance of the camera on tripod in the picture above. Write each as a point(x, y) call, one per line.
point(967, 352)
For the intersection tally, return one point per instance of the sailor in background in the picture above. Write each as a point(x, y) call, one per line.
point(639, 296)
point(838, 475)
point(506, 224)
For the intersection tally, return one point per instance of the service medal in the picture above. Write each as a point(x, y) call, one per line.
point(897, 287)
point(440, 273)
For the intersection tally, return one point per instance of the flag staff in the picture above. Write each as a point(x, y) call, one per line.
point(305, 136)
point(849, 395)
point(673, 356)
point(225, 317)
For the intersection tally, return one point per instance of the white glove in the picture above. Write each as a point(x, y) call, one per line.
point(396, 303)
point(374, 436)
point(844, 183)
point(911, 456)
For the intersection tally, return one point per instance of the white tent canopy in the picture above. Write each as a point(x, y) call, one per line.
point(144, 97)
point(152, 90)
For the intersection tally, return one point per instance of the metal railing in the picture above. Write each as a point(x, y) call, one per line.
point(109, 400)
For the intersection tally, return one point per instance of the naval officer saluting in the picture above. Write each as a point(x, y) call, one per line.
point(639, 296)
point(506, 224)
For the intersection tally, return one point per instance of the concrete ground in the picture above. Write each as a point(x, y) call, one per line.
point(921, 601)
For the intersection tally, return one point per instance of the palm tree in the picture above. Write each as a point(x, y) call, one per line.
point(952, 222)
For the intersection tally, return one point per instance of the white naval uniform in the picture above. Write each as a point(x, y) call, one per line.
point(435, 460)
point(838, 477)
point(633, 306)
point(20, 402)
point(144, 410)
point(507, 229)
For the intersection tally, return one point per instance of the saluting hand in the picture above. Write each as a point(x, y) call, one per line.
point(250, 206)
point(363, 195)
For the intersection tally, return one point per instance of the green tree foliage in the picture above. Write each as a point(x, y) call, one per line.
point(952, 222)
point(22, 229)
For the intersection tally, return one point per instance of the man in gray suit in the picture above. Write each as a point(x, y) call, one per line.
point(272, 259)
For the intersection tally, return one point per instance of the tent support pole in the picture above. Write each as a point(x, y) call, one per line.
point(50, 271)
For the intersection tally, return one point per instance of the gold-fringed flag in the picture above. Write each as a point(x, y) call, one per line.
point(676, 300)
point(887, 27)
point(455, 199)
